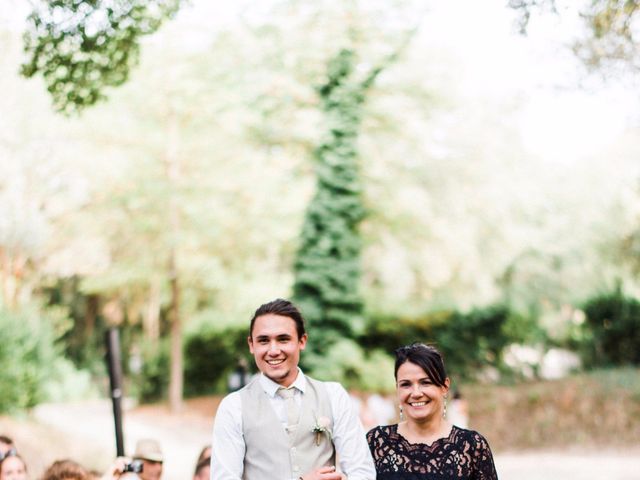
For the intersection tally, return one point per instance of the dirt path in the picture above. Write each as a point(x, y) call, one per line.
point(85, 432)
point(570, 465)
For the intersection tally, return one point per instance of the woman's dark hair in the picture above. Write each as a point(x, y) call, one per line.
point(283, 308)
point(426, 357)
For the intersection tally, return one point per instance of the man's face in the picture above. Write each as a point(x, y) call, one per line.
point(151, 470)
point(276, 347)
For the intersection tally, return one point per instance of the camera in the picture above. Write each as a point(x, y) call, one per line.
point(134, 466)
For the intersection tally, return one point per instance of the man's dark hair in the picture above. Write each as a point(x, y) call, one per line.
point(426, 357)
point(283, 308)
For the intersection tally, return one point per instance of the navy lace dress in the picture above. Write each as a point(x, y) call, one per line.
point(464, 454)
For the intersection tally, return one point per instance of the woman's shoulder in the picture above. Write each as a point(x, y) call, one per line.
point(381, 430)
point(467, 435)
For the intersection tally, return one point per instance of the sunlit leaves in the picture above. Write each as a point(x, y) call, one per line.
point(83, 47)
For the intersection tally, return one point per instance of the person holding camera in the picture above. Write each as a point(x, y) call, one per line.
point(148, 455)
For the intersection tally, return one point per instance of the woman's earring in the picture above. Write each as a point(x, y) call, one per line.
point(444, 411)
point(401, 415)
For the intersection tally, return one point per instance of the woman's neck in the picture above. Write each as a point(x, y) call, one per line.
point(425, 432)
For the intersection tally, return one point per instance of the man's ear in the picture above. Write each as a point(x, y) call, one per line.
point(303, 341)
point(250, 342)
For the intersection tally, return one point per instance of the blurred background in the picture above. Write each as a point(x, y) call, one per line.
point(458, 173)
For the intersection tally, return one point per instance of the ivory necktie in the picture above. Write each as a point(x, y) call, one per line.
point(290, 406)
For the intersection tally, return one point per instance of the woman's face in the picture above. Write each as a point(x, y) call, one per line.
point(13, 468)
point(421, 399)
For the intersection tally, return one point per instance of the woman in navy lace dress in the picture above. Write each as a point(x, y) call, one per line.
point(425, 445)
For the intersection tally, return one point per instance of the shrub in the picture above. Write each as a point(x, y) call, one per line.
point(27, 355)
point(469, 341)
point(611, 330)
point(211, 355)
point(473, 341)
point(388, 332)
point(152, 382)
point(347, 363)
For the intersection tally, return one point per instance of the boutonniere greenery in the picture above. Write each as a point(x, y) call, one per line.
point(321, 426)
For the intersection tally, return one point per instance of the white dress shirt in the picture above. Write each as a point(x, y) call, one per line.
point(352, 451)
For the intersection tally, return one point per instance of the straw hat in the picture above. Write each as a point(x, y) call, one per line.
point(148, 449)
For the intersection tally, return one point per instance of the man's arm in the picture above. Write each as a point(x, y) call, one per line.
point(349, 437)
point(227, 455)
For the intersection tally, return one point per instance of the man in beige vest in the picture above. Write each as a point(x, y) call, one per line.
point(284, 425)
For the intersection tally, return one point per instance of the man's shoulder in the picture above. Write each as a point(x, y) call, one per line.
point(233, 400)
point(330, 386)
point(338, 396)
point(230, 400)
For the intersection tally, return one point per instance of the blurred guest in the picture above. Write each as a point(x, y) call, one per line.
point(203, 464)
point(458, 412)
point(150, 453)
point(12, 466)
point(425, 444)
point(6, 444)
point(381, 409)
point(204, 453)
point(203, 469)
point(122, 467)
point(66, 470)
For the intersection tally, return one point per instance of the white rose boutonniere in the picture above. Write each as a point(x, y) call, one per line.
point(321, 426)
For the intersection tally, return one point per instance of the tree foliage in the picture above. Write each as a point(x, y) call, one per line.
point(328, 262)
point(612, 30)
point(452, 210)
point(613, 327)
point(27, 351)
point(83, 47)
point(470, 341)
point(327, 267)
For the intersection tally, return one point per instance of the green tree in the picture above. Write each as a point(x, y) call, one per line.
point(27, 340)
point(327, 267)
point(328, 262)
point(612, 330)
point(82, 47)
point(611, 38)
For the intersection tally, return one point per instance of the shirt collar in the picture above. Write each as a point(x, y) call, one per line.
point(270, 387)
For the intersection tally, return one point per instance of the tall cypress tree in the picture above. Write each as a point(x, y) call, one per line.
point(327, 267)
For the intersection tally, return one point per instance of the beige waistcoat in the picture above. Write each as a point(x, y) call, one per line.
point(271, 453)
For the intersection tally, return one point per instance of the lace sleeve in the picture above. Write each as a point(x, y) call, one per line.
point(375, 442)
point(483, 459)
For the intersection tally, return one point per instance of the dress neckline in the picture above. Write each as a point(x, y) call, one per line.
point(405, 440)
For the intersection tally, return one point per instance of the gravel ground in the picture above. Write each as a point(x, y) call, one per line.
point(570, 465)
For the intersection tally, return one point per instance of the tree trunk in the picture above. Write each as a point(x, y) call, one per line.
point(175, 380)
point(151, 316)
point(175, 320)
point(90, 315)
